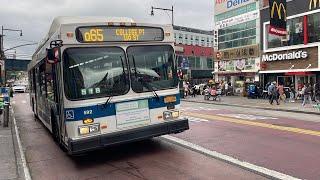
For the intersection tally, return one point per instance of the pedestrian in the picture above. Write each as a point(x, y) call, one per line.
point(292, 94)
point(317, 92)
point(226, 88)
point(273, 94)
point(186, 87)
point(307, 95)
point(282, 95)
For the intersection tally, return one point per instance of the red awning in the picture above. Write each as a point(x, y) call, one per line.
point(299, 73)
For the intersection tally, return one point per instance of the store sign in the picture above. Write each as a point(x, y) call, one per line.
point(222, 6)
point(240, 53)
point(278, 17)
point(237, 65)
point(285, 56)
point(301, 59)
point(237, 20)
point(314, 4)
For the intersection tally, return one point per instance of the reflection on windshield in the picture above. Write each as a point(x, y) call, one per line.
point(152, 65)
point(95, 72)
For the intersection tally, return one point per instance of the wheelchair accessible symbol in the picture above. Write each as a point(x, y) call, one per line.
point(70, 114)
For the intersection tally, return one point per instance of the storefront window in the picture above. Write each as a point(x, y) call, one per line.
point(294, 37)
point(313, 28)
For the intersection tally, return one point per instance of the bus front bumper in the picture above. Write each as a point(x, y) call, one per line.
point(101, 141)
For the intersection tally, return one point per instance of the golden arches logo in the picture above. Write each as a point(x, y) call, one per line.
point(314, 2)
point(279, 8)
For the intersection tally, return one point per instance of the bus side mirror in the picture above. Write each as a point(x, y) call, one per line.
point(53, 56)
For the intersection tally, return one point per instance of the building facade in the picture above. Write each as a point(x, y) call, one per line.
point(292, 60)
point(195, 53)
point(238, 55)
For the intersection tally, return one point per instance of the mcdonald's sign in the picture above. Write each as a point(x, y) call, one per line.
point(278, 17)
point(314, 4)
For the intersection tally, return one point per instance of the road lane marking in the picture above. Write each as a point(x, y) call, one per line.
point(198, 109)
point(194, 119)
point(24, 102)
point(247, 116)
point(26, 171)
point(272, 174)
point(257, 124)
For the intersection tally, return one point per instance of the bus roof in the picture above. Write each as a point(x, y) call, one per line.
point(64, 20)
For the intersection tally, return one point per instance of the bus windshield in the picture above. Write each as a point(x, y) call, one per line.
point(152, 68)
point(95, 72)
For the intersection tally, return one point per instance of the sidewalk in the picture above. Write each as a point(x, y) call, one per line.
point(257, 103)
point(9, 168)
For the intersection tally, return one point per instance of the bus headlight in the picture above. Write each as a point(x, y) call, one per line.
point(167, 115)
point(89, 129)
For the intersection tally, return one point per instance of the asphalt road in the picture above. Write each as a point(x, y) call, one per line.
point(150, 159)
point(286, 142)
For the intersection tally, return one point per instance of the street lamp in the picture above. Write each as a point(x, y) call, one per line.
point(163, 9)
point(2, 56)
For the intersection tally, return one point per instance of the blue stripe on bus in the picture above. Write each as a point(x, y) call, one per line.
point(98, 111)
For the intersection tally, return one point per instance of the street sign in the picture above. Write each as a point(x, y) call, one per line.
point(4, 96)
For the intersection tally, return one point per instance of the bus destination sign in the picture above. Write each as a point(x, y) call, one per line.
point(118, 34)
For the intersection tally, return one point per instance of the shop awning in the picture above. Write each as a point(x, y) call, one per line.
point(298, 73)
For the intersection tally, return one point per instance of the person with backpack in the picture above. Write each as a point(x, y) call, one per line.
point(307, 95)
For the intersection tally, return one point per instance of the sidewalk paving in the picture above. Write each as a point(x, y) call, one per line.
point(257, 103)
point(9, 169)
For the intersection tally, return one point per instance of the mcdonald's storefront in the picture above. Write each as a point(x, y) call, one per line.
point(292, 59)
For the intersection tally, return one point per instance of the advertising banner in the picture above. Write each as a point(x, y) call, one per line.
point(222, 6)
point(237, 19)
point(278, 17)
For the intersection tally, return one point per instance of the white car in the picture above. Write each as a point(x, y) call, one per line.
point(19, 88)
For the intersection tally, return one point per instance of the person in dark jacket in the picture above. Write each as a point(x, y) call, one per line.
point(273, 93)
point(307, 95)
point(317, 92)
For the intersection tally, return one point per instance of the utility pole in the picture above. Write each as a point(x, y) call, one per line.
point(2, 56)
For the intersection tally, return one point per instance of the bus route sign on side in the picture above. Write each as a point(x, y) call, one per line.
point(4, 96)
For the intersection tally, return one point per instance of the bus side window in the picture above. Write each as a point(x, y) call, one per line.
point(49, 82)
point(42, 80)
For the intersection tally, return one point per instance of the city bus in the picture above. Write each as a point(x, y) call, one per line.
point(96, 82)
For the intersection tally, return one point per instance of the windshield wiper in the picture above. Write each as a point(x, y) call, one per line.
point(145, 84)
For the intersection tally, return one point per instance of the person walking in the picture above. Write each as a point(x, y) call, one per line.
point(317, 92)
point(307, 95)
point(273, 94)
point(282, 95)
point(292, 94)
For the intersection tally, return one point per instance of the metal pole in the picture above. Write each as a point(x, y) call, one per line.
point(172, 16)
point(6, 115)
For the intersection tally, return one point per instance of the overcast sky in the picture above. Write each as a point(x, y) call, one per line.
point(34, 17)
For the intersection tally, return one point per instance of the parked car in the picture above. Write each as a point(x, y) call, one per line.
point(19, 88)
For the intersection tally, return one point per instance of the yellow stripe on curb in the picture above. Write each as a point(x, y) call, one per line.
point(257, 124)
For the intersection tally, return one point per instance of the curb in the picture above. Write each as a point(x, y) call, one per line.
point(257, 107)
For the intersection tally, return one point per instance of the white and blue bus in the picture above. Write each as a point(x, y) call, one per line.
point(97, 82)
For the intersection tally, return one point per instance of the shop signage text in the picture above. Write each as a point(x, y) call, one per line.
point(240, 53)
point(285, 56)
point(222, 6)
point(278, 17)
point(237, 19)
point(314, 4)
